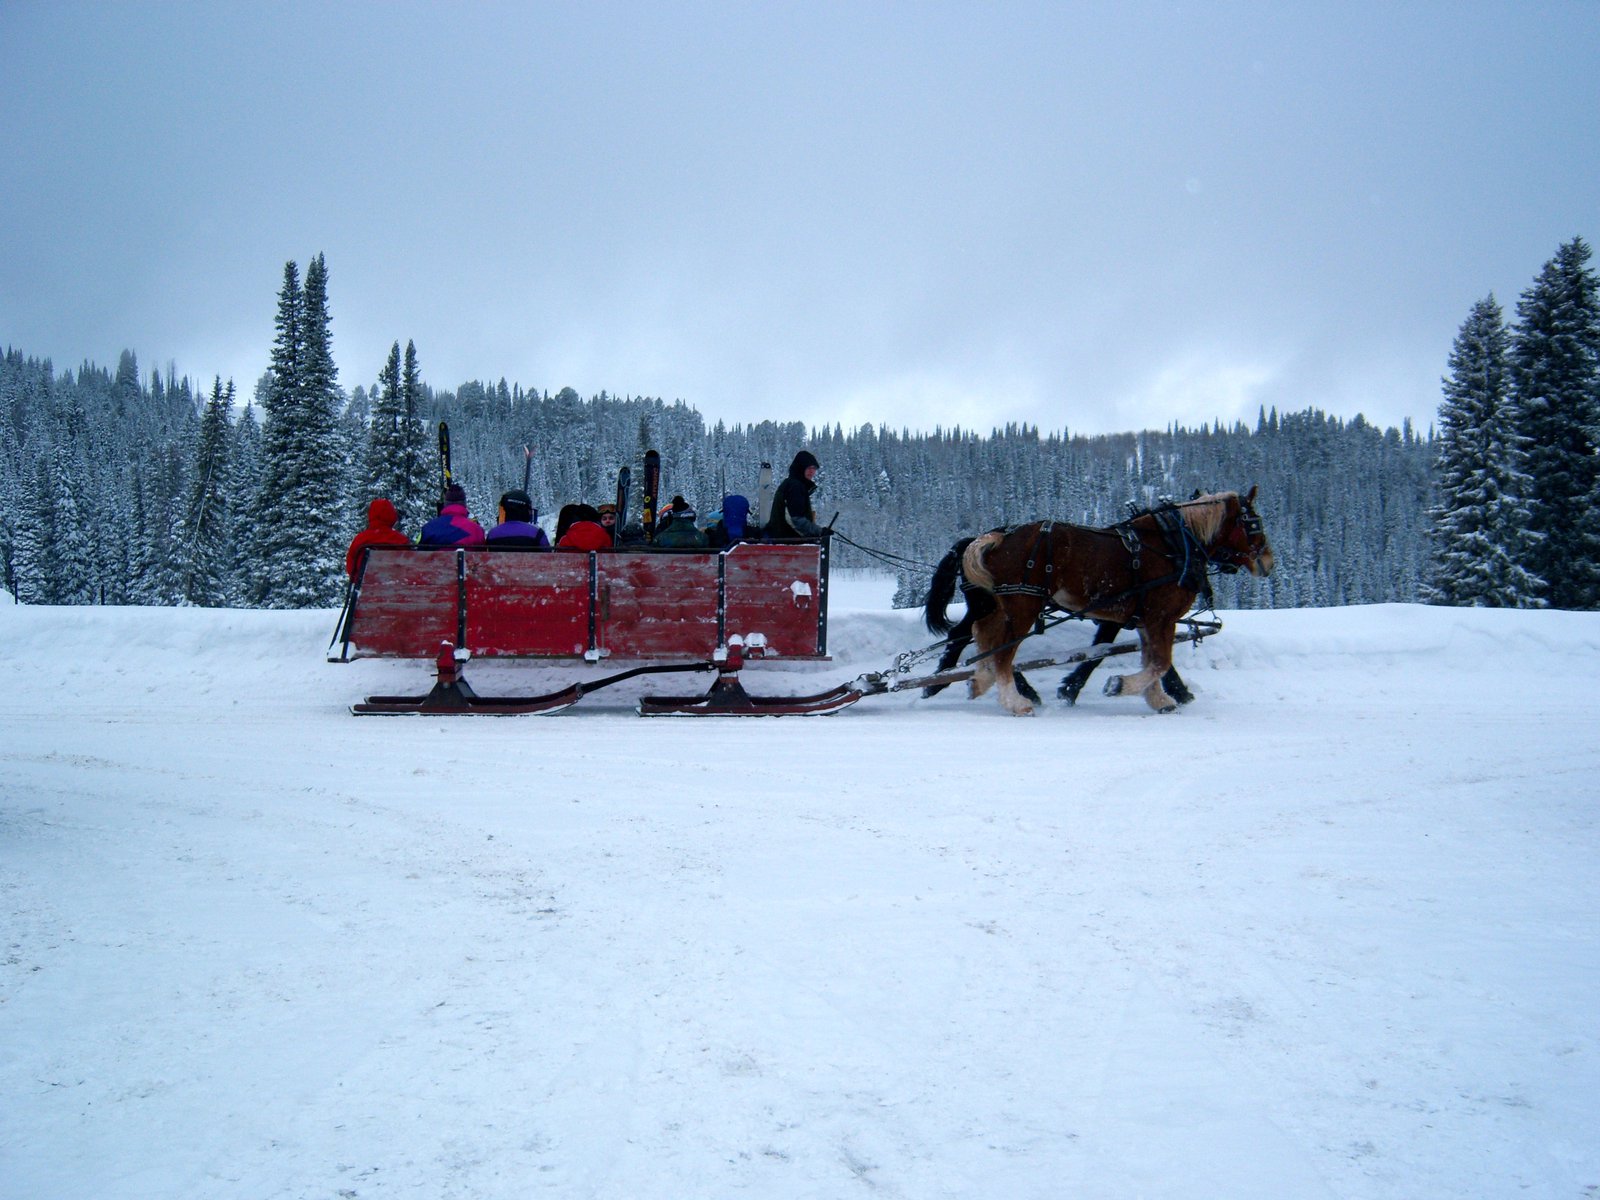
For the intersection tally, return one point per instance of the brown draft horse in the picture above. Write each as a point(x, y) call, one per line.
point(1143, 572)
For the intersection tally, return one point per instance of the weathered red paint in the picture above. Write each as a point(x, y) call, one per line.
point(654, 606)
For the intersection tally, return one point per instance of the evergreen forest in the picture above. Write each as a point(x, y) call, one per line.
point(124, 487)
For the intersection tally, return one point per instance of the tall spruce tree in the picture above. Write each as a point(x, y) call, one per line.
point(396, 466)
point(30, 564)
point(276, 393)
point(205, 554)
point(1480, 532)
point(71, 557)
point(1555, 374)
point(299, 520)
point(384, 432)
point(416, 480)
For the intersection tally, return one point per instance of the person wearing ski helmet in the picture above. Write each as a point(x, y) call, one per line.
point(517, 530)
point(792, 515)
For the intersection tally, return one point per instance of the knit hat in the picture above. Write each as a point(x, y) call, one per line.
point(455, 494)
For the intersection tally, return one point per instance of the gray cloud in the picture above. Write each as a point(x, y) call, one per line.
point(1091, 216)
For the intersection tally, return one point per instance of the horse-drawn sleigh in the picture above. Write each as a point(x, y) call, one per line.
point(704, 611)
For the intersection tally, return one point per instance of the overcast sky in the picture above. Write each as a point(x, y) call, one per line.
point(1089, 216)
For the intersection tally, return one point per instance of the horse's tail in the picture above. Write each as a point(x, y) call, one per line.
point(972, 567)
point(943, 589)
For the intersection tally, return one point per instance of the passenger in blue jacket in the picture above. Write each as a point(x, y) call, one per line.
point(733, 525)
point(517, 529)
point(452, 527)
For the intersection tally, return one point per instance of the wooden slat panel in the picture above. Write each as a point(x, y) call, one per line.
point(527, 603)
point(658, 605)
point(776, 591)
point(407, 604)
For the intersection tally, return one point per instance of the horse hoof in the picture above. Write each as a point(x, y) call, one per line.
point(1114, 686)
point(1170, 708)
point(1025, 689)
point(1070, 695)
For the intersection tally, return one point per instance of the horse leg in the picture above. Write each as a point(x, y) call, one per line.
point(1104, 631)
point(1155, 661)
point(1172, 683)
point(960, 638)
point(988, 630)
point(1011, 698)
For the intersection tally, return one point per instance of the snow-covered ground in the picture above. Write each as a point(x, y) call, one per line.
point(1331, 931)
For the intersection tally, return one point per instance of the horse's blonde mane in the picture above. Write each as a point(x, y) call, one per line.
point(1204, 514)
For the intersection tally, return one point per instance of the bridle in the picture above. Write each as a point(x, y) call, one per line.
point(1230, 561)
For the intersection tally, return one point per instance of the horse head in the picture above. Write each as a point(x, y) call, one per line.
point(1242, 539)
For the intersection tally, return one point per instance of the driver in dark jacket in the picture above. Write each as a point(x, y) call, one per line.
point(792, 516)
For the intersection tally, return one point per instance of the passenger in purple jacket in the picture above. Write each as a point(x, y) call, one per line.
point(516, 530)
point(452, 527)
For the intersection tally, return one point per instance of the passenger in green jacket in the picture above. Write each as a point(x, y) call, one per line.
point(679, 529)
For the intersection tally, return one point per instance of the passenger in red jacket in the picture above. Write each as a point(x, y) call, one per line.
point(585, 535)
point(578, 527)
point(380, 531)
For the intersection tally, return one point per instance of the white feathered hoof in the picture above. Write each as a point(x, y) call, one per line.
point(1017, 706)
point(1113, 686)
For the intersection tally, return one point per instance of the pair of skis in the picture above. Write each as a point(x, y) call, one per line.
point(444, 461)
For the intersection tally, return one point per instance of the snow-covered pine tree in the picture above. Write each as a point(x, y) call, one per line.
point(1480, 518)
point(166, 490)
point(414, 494)
point(1555, 377)
point(299, 518)
point(205, 551)
point(30, 558)
point(384, 443)
point(396, 464)
point(70, 557)
point(244, 457)
point(276, 395)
